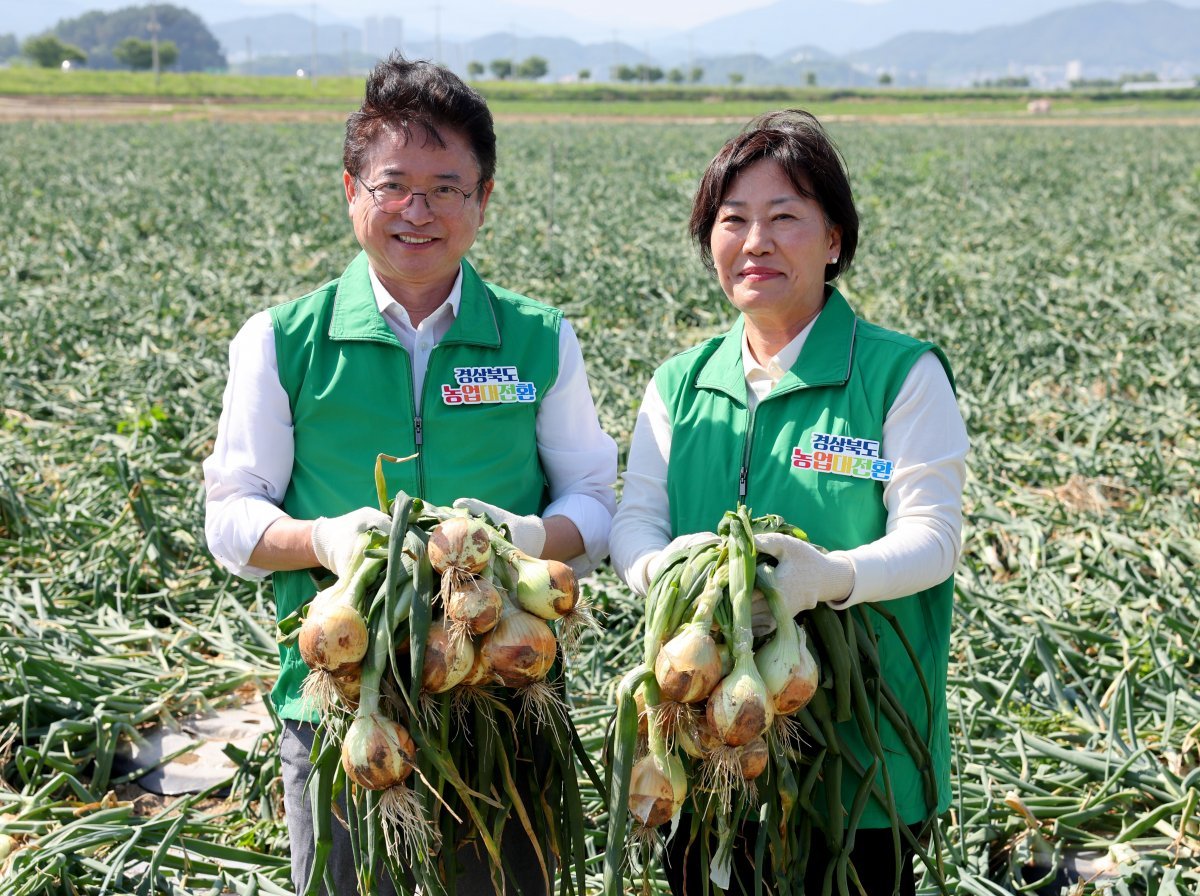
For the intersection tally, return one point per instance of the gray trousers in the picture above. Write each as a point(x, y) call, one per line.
point(474, 867)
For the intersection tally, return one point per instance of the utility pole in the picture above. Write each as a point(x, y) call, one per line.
point(437, 32)
point(153, 27)
point(313, 73)
point(249, 57)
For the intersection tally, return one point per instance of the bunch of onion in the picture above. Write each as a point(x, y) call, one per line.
point(333, 638)
point(378, 754)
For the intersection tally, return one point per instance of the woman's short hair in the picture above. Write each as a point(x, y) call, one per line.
point(424, 98)
point(794, 140)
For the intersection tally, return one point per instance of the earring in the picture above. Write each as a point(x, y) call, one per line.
point(833, 260)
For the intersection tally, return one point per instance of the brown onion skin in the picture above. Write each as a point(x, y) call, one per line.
point(520, 650)
point(750, 721)
point(379, 754)
point(651, 795)
point(476, 604)
point(564, 586)
point(334, 640)
point(687, 667)
point(441, 669)
point(459, 544)
point(753, 758)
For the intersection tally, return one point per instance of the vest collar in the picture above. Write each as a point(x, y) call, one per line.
point(356, 316)
point(823, 361)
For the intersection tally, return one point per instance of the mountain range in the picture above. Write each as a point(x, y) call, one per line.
point(774, 46)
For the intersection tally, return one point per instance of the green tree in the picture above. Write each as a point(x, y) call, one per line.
point(625, 72)
point(736, 78)
point(885, 80)
point(101, 32)
point(9, 47)
point(585, 74)
point(501, 68)
point(138, 54)
point(675, 76)
point(475, 69)
point(696, 74)
point(810, 79)
point(651, 74)
point(50, 52)
point(533, 68)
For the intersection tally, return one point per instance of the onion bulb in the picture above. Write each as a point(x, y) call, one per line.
point(447, 659)
point(460, 544)
point(333, 638)
point(788, 668)
point(546, 588)
point(377, 753)
point(521, 648)
point(657, 789)
point(473, 606)
point(739, 707)
point(688, 666)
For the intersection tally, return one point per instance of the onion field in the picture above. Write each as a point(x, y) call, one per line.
point(1057, 266)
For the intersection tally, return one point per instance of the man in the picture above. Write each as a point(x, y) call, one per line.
point(408, 352)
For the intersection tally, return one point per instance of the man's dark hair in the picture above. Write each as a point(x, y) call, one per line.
point(795, 140)
point(421, 100)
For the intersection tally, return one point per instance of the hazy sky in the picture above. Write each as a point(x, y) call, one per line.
point(609, 14)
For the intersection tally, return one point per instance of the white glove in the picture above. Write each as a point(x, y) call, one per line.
point(527, 533)
point(681, 543)
point(762, 620)
point(805, 575)
point(334, 538)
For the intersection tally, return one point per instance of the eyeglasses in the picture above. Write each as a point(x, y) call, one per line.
point(392, 198)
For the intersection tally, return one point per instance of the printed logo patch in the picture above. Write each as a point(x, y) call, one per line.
point(487, 385)
point(843, 455)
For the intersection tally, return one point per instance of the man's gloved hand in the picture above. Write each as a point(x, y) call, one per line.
point(334, 538)
point(527, 533)
point(680, 543)
point(805, 576)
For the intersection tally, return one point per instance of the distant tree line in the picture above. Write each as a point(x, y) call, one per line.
point(536, 67)
point(124, 38)
point(530, 69)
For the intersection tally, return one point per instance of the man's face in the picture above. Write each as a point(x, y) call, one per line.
point(416, 252)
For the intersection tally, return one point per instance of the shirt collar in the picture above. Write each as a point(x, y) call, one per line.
point(779, 363)
point(387, 305)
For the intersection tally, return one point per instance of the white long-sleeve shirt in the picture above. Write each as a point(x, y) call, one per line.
point(248, 472)
point(923, 433)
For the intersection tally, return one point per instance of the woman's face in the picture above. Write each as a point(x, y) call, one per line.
point(770, 246)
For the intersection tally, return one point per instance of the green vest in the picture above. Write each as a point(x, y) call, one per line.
point(349, 386)
point(810, 452)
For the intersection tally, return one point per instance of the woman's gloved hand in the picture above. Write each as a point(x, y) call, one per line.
point(805, 575)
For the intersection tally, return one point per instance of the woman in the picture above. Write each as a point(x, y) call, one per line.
point(846, 429)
